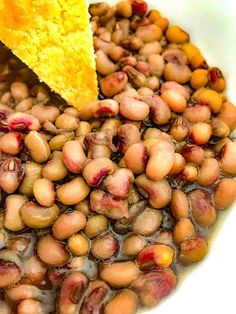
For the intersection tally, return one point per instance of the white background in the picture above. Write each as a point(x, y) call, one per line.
point(210, 288)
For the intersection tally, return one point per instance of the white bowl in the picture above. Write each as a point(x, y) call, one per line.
point(209, 287)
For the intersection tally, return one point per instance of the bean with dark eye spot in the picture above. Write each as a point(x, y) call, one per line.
point(128, 134)
point(11, 174)
point(113, 83)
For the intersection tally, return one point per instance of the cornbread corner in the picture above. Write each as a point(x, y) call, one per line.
point(54, 38)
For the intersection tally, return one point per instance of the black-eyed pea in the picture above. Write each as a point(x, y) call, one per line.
point(161, 161)
point(72, 111)
point(134, 110)
point(178, 165)
point(55, 169)
point(133, 244)
point(128, 134)
point(58, 141)
point(179, 204)
point(149, 33)
point(66, 121)
point(113, 84)
point(179, 73)
point(96, 170)
point(159, 255)
point(197, 113)
point(199, 78)
point(179, 129)
point(193, 250)
point(136, 158)
point(148, 222)
point(156, 63)
point(175, 34)
point(83, 207)
point(225, 193)
point(203, 211)
point(73, 192)
point(38, 146)
point(11, 143)
point(157, 192)
point(216, 80)
point(105, 246)
point(209, 97)
point(73, 156)
point(200, 133)
point(164, 237)
point(21, 121)
point(43, 190)
point(84, 128)
point(209, 172)
point(78, 245)
point(171, 85)
point(151, 48)
point(12, 218)
point(20, 91)
point(174, 100)
point(183, 230)
point(193, 154)
point(228, 161)
point(45, 113)
point(125, 302)
point(189, 173)
point(228, 114)
point(38, 217)
point(95, 225)
point(219, 128)
point(153, 83)
point(68, 224)
point(119, 183)
point(52, 252)
point(128, 272)
point(30, 306)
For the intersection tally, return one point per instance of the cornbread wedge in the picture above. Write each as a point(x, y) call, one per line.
point(53, 37)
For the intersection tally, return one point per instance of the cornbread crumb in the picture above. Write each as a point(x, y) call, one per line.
point(54, 38)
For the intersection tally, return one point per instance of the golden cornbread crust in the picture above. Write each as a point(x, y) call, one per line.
point(54, 38)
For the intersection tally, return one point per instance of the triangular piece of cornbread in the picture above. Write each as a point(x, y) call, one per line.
point(54, 38)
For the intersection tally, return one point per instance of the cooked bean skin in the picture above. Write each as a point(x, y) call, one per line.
point(102, 208)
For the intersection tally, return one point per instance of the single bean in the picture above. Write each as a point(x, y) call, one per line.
point(209, 172)
point(73, 156)
point(124, 9)
point(149, 33)
point(153, 83)
point(40, 93)
point(38, 146)
point(206, 96)
point(203, 211)
point(216, 80)
point(21, 121)
point(51, 251)
point(197, 113)
point(32, 173)
point(158, 134)
point(151, 48)
point(13, 221)
point(113, 83)
point(117, 53)
point(225, 193)
point(219, 128)
point(23, 291)
point(156, 62)
point(199, 78)
point(11, 143)
point(43, 190)
point(68, 224)
point(78, 244)
point(119, 183)
point(38, 217)
point(103, 64)
point(96, 170)
point(135, 77)
point(145, 91)
point(19, 91)
point(219, 145)
point(161, 161)
point(66, 121)
point(164, 237)
point(193, 250)
point(109, 205)
point(30, 306)
point(158, 192)
point(132, 245)
point(73, 192)
point(193, 154)
point(177, 72)
point(83, 207)
point(148, 222)
point(179, 164)
point(183, 230)
point(98, 9)
point(105, 246)
point(96, 224)
point(128, 272)
point(72, 111)
point(153, 286)
point(175, 34)
point(55, 169)
point(136, 158)
point(174, 55)
point(171, 85)
point(159, 255)
point(179, 129)
point(128, 134)
point(174, 100)
point(228, 114)
point(179, 204)
point(11, 174)
point(45, 113)
point(84, 128)
point(112, 124)
point(200, 133)
point(125, 302)
point(228, 162)
point(159, 111)
point(190, 173)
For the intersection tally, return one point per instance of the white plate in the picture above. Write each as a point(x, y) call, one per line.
point(210, 286)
